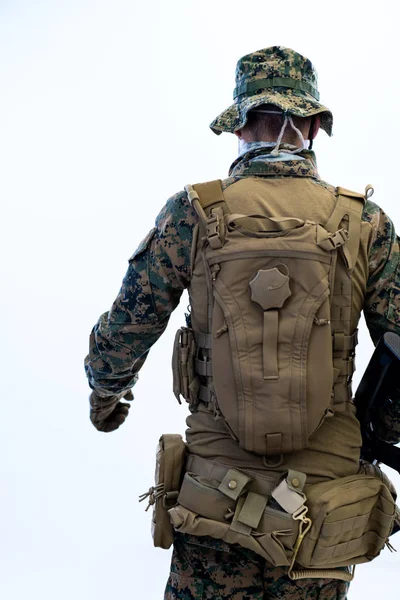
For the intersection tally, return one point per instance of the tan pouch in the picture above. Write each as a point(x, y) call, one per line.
point(203, 510)
point(352, 518)
point(185, 381)
point(163, 495)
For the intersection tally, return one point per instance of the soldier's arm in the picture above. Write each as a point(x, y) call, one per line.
point(158, 272)
point(382, 304)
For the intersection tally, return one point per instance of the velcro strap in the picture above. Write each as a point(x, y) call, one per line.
point(237, 525)
point(248, 513)
point(234, 483)
point(203, 367)
point(203, 340)
point(288, 493)
point(252, 510)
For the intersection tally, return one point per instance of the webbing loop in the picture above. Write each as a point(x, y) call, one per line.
point(203, 340)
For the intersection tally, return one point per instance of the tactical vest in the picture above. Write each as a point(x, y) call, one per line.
point(271, 348)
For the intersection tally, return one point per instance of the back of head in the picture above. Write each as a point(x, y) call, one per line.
point(265, 124)
point(276, 77)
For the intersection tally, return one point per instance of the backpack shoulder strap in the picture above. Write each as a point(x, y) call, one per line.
point(208, 195)
point(211, 194)
point(209, 202)
point(349, 207)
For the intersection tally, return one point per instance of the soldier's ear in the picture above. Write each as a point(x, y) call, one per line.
point(239, 134)
point(316, 126)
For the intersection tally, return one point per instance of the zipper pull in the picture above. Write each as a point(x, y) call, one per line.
point(221, 330)
point(215, 268)
point(320, 322)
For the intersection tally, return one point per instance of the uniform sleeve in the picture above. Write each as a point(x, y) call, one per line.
point(158, 272)
point(382, 304)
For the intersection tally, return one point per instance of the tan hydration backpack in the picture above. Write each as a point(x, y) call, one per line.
point(275, 305)
point(276, 344)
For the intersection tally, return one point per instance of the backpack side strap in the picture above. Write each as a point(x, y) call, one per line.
point(349, 207)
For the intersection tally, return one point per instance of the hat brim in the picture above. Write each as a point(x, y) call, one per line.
point(295, 102)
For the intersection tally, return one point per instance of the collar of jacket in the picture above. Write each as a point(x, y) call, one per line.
point(259, 162)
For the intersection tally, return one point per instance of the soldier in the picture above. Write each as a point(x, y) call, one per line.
point(272, 197)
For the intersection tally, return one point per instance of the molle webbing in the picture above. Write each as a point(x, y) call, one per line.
point(347, 213)
point(203, 340)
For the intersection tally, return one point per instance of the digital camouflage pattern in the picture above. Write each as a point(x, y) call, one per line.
point(382, 305)
point(206, 569)
point(159, 271)
point(254, 164)
point(274, 64)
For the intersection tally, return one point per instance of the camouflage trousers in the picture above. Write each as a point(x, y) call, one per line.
point(206, 569)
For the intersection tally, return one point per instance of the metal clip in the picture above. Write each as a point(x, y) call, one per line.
point(304, 528)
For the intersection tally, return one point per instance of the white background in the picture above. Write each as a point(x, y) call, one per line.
point(104, 113)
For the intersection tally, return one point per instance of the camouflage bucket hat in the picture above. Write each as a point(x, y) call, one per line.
point(278, 76)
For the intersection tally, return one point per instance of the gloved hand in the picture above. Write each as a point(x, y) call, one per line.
point(107, 414)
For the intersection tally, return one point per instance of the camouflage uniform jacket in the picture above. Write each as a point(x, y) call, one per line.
point(159, 271)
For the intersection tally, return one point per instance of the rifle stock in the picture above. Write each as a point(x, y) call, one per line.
point(379, 382)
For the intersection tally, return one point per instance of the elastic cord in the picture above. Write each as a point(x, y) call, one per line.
point(288, 119)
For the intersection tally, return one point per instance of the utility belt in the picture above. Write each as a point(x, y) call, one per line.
point(311, 529)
